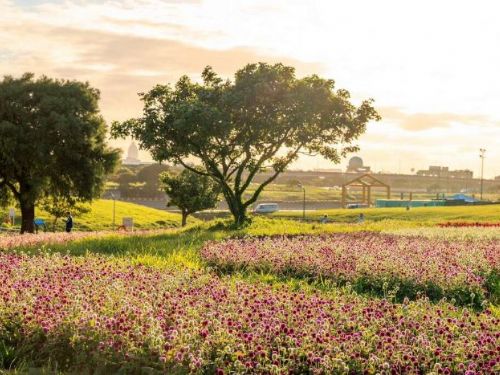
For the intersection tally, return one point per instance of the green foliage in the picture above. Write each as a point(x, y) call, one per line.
point(52, 141)
point(58, 207)
point(190, 191)
point(238, 129)
point(150, 174)
point(5, 196)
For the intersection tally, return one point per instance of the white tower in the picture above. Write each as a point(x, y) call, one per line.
point(132, 155)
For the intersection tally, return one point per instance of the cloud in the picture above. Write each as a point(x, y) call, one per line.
point(425, 121)
point(431, 88)
point(120, 65)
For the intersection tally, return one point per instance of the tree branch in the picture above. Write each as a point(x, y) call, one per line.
point(241, 169)
point(12, 187)
point(187, 166)
point(273, 149)
point(272, 178)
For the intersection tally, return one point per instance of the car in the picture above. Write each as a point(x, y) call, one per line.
point(266, 208)
point(357, 205)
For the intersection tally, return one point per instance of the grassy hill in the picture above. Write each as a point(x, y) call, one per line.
point(100, 216)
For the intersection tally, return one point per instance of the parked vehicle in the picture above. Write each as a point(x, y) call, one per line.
point(266, 208)
point(357, 205)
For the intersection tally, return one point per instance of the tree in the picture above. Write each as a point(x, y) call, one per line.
point(5, 196)
point(150, 175)
point(260, 122)
point(58, 207)
point(190, 191)
point(52, 142)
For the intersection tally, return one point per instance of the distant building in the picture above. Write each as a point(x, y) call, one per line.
point(335, 170)
point(132, 155)
point(356, 165)
point(444, 172)
point(497, 178)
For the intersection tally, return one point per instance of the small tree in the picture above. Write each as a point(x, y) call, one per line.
point(150, 176)
point(190, 191)
point(260, 122)
point(57, 207)
point(52, 142)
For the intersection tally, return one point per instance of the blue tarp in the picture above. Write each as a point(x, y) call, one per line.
point(463, 197)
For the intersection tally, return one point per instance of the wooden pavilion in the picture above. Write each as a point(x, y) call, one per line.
point(366, 182)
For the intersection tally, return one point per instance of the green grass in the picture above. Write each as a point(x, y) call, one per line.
point(100, 216)
point(489, 213)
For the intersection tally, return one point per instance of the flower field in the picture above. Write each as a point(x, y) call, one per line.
point(464, 271)
point(449, 233)
point(466, 224)
point(101, 314)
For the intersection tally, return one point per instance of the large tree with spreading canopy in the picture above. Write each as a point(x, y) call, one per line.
point(261, 121)
point(52, 142)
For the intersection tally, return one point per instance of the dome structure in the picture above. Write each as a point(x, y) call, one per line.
point(355, 162)
point(356, 165)
point(132, 155)
point(133, 151)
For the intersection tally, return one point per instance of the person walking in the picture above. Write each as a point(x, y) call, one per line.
point(69, 222)
point(12, 216)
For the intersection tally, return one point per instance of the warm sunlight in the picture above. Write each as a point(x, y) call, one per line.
point(215, 187)
point(431, 66)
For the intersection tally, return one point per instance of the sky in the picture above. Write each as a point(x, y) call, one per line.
point(432, 67)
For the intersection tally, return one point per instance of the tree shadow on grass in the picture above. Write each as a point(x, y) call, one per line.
point(162, 245)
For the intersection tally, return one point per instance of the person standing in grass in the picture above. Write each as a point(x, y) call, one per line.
point(69, 222)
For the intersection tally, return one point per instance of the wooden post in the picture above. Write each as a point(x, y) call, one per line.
point(364, 195)
point(343, 196)
point(388, 192)
point(369, 196)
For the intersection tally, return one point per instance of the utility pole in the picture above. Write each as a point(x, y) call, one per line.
point(481, 155)
point(303, 202)
point(114, 210)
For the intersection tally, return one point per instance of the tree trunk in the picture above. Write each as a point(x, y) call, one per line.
point(184, 218)
point(239, 212)
point(54, 223)
point(27, 217)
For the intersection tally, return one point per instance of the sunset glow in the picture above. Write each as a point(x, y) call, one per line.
point(432, 67)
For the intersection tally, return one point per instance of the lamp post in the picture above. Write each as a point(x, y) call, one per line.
point(303, 202)
point(481, 155)
point(114, 209)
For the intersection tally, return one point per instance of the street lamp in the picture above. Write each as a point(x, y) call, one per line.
point(303, 202)
point(114, 209)
point(481, 155)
